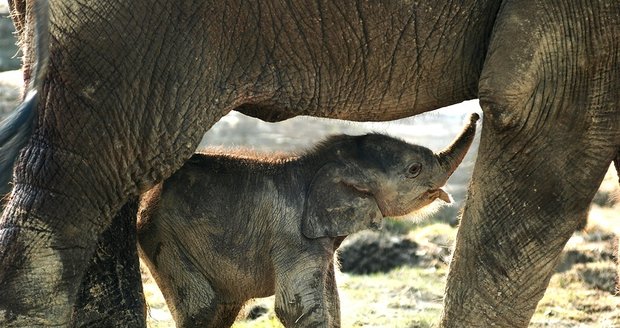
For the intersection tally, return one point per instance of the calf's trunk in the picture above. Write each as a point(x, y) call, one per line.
point(451, 157)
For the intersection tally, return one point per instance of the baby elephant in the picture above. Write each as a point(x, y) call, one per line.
point(228, 228)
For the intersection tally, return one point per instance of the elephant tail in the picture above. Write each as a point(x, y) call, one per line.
point(16, 129)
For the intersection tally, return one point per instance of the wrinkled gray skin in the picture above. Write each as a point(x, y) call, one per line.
point(225, 229)
point(132, 86)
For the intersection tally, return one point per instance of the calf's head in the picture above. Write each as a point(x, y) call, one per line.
point(365, 178)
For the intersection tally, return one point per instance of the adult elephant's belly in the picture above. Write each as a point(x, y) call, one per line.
point(363, 61)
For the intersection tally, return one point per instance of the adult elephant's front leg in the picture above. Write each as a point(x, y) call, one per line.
point(549, 93)
point(116, 116)
point(61, 204)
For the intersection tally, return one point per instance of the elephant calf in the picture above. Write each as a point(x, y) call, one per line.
point(228, 228)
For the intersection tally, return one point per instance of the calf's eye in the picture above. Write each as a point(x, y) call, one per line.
point(414, 170)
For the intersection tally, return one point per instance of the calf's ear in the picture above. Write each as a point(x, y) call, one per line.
point(338, 204)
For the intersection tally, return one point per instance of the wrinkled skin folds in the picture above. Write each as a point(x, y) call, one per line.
point(132, 86)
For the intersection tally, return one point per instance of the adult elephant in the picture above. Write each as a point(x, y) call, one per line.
point(132, 86)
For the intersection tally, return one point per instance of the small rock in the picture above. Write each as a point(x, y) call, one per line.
point(256, 312)
point(572, 257)
point(600, 276)
point(370, 252)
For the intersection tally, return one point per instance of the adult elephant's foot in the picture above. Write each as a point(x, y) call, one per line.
point(547, 141)
point(48, 233)
point(40, 264)
point(111, 291)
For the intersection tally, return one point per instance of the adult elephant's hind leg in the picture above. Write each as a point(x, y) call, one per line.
point(111, 291)
point(549, 91)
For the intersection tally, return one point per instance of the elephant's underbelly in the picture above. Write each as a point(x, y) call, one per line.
point(364, 61)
